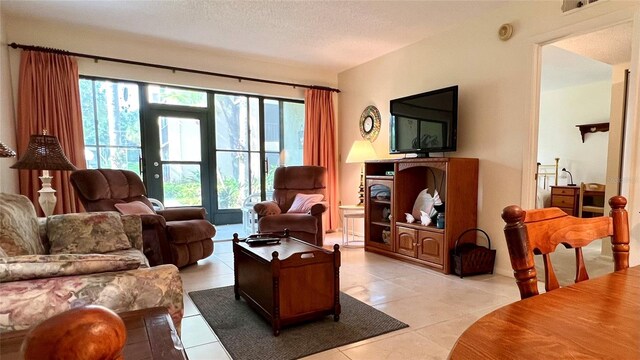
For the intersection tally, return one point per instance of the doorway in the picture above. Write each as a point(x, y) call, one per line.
point(581, 122)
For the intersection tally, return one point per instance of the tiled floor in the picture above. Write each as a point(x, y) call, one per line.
point(438, 308)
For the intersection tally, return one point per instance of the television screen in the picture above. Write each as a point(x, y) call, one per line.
point(425, 122)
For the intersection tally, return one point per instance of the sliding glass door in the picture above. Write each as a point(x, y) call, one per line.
point(174, 160)
point(192, 147)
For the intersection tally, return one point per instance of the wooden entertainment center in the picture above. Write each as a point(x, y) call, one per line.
point(386, 230)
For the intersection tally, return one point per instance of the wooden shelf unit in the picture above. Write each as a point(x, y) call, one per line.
point(457, 182)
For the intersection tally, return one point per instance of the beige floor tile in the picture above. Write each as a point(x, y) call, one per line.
point(378, 292)
point(189, 307)
point(333, 354)
point(207, 282)
point(446, 333)
point(419, 311)
point(211, 351)
point(196, 331)
point(405, 346)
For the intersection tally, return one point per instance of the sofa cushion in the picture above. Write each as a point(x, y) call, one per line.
point(26, 303)
point(86, 233)
point(133, 254)
point(29, 267)
point(187, 231)
point(293, 222)
point(18, 226)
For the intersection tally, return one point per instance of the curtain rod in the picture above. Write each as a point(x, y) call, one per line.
point(166, 67)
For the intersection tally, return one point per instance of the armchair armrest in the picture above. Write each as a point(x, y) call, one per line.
point(319, 208)
point(177, 214)
point(153, 220)
point(266, 208)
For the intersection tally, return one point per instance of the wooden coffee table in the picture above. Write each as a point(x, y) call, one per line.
point(289, 282)
point(150, 335)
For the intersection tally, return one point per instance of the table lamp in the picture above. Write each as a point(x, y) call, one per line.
point(44, 153)
point(6, 151)
point(570, 177)
point(361, 151)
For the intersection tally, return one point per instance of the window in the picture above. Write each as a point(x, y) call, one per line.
point(111, 122)
point(172, 96)
point(201, 148)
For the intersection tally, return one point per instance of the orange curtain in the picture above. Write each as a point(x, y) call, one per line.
point(320, 144)
point(49, 99)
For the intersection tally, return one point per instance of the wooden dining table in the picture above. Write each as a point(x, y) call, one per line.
point(594, 319)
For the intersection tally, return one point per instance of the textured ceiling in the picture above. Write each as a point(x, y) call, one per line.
point(585, 58)
point(611, 45)
point(562, 68)
point(335, 35)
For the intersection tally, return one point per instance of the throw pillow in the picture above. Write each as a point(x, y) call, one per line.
point(86, 233)
point(424, 202)
point(303, 202)
point(18, 226)
point(134, 208)
point(29, 267)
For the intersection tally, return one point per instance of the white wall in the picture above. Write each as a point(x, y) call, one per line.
point(497, 92)
point(8, 177)
point(560, 111)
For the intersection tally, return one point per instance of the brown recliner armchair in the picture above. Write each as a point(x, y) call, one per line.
point(287, 182)
point(179, 236)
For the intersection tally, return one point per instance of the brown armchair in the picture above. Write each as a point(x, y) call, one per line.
point(179, 236)
point(287, 182)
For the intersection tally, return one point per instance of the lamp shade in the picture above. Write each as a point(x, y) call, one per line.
point(361, 151)
point(6, 151)
point(44, 153)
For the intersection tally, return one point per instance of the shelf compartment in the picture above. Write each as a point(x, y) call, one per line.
point(378, 201)
point(418, 226)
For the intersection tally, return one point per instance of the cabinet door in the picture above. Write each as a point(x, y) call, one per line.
point(406, 241)
point(431, 246)
point(378, 210)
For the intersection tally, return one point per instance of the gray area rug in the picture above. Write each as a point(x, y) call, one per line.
point(247, 335)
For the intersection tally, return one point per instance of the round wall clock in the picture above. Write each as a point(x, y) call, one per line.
point(370, 123)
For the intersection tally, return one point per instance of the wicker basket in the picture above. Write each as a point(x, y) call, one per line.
point(471, 259)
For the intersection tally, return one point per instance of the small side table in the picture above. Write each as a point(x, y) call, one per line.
point(350, 213)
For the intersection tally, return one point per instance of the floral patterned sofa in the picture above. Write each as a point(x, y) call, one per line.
point(49, 266)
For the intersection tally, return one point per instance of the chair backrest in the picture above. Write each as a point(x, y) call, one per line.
point(591, 191)
point(101, 189)
point(540, 231)
point(291, 180)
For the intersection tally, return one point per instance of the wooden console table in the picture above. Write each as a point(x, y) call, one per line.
point(288, 282)
point(593, 319)
point(150, 335)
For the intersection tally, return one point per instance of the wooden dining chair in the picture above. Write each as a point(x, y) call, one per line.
point(540, 231)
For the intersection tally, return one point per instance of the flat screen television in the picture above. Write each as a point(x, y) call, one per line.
point(424, 123)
